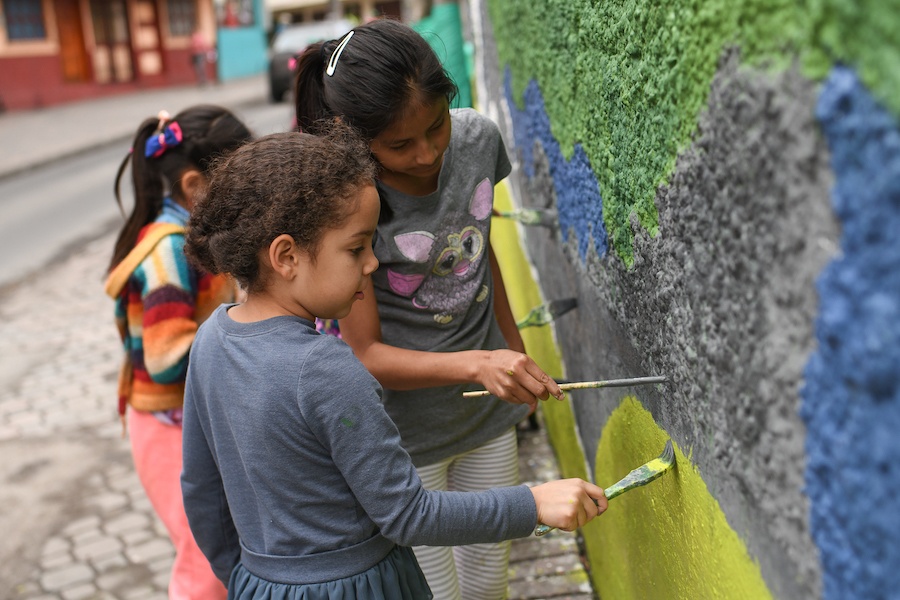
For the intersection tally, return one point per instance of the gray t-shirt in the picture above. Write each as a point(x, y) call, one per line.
point(292, 466)
point(435, 291)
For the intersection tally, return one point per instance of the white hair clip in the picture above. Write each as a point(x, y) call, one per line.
point(336, 55)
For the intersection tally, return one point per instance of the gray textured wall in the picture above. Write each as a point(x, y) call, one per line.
point(722, 301)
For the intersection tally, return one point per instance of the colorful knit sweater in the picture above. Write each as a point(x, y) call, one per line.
point(157, 314)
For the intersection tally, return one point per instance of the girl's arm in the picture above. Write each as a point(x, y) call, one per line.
point(362, 439)
point(510, 375)
point(502, 310)
point(204, 497)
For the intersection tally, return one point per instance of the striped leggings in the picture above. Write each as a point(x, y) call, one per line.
point(479, 571)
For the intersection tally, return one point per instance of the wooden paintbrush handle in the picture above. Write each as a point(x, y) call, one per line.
point(586, 385)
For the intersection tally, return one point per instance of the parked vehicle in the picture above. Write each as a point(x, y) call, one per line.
point(291, 42)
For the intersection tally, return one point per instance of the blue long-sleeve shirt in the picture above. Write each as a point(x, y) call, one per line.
point(292, 466)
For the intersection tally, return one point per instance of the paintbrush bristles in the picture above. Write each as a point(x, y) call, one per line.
point(538, 316)
point(644, 474)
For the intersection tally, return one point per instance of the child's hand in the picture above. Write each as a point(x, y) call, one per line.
point(512, 376)
point(568, 504)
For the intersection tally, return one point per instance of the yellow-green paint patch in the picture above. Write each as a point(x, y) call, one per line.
point(668, 539)
point(524, 295)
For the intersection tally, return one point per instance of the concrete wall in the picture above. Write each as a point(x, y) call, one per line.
point(727, 182)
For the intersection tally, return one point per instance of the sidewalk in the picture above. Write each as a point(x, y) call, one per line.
point(76, 524)
point(39, 136)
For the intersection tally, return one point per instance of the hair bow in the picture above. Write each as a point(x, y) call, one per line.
point(169, 137)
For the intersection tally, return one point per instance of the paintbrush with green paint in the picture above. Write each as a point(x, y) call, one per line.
point(543, 314)
point(546, 217)
point(643, 475)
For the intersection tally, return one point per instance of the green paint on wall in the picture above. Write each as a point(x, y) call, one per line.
point(668, 539)
point(628, 78)
point(862, 33)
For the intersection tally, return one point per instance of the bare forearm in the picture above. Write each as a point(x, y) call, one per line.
point(508, 374)
point(404, 369)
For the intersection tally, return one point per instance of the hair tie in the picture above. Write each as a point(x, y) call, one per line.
point(336, 55)
point(169, 137)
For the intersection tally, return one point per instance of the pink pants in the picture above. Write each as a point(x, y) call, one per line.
point(156, 449)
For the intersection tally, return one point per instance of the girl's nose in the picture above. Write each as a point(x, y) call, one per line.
point(427, 153)
point(371, 264)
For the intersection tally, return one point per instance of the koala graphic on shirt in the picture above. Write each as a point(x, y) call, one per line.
point(454, 252)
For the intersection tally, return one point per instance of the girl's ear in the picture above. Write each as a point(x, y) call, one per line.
point(284, 256)
point(192, 183)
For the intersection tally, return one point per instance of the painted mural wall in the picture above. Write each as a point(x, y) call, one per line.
point(725, 180)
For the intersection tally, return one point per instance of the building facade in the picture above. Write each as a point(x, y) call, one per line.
point(55, 51)
point(285, 12)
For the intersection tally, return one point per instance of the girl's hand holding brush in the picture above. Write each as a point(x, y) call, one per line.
point(568, 504)
point(514, 377)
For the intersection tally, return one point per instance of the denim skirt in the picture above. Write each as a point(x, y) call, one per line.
point(396, 577)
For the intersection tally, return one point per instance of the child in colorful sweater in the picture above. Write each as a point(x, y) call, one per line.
point(160, 301)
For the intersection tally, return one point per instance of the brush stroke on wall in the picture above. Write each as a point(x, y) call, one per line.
point(694, 554)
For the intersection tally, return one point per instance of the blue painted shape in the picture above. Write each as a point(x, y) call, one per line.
point(577, 191)
point(851, 395)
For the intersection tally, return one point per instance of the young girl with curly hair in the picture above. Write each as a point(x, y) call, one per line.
point(295, 483)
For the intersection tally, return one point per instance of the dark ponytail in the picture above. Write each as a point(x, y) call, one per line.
point(207, 132)
point(384, 68)
point(309, 92)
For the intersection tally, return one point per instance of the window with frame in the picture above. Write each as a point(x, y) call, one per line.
point(182, 17)
point(24, 20)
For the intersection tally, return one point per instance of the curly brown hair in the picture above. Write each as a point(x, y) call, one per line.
point(293, 183)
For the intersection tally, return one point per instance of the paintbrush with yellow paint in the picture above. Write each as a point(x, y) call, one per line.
point(638, 477)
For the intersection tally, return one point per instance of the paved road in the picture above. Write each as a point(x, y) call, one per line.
point(75, 523)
